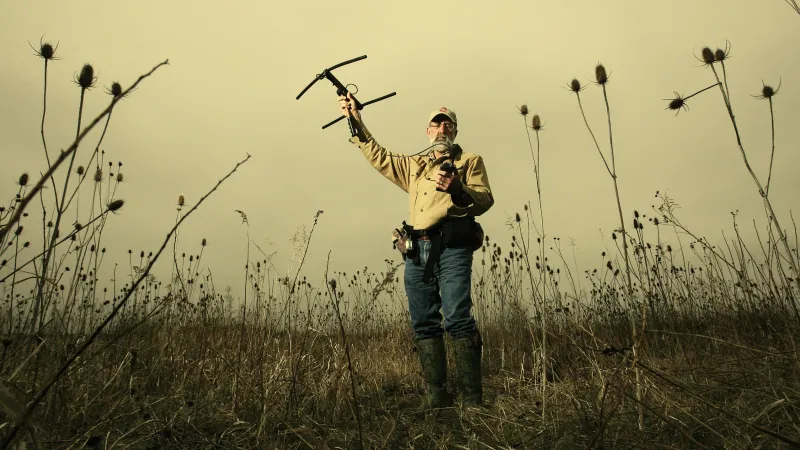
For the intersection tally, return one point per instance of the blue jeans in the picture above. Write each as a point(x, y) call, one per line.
point(448, 290)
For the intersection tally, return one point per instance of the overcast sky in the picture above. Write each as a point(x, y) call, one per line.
point(236, 68)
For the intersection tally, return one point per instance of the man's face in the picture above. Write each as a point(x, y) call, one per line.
point(442, 130)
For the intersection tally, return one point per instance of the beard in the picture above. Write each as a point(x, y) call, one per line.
point(442, 144)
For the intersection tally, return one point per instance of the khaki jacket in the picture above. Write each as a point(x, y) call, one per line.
point(416, 175)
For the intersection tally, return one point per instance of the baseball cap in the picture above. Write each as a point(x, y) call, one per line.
point(444, 111)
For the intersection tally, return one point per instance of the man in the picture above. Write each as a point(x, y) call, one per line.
point(442, 209)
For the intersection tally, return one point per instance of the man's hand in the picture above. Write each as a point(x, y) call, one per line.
point(449, 183)
point(348, 107)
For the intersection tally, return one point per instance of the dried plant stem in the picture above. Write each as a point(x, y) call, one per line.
point(60, 160)
point(580, 105)
point(134, 288)
point(539, 290)
point(629, 290)
point(60, 210)
point(772, 155)
point(772, 216)
point(41, 131)
point(542, 274)
point(331, 287)
point(794, 5)
point(244, 313)
point(754, 425)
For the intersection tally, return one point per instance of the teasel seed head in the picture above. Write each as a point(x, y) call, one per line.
point(600, 74)
point(98, 175)
point(518, 218)
point(181, 200)
point(677, 103)
point(708, 55)
point(203, 244)
point(116, 205)
point(23, 179)
point(18, 231)
point(116, 90)
point(86, 79)
point(767, 91)
point(575, 85)
point(536, 122)
point(523, 110)
point(119, 178)
point(80, 170)
point(46, 51)
point(614, 236)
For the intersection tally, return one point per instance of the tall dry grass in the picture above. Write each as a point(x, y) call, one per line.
point(330, 363)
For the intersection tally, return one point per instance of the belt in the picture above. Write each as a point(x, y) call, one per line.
point(425, 235)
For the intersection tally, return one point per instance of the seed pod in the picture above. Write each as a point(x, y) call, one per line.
point(676, 103)
point(720, 55)
point(80, 170)
point(523, 110)
point(46, 51)
point(23, 179)
point(518, 218)
point(116, 89)
point(708, 56)
point(203, 243)
point(86, 79)
point(536, 122)
point(767, 91)
point(119, 178)
point(575, 85)
point(98, 175)
point(115, 205)
point(181, 200)
point(600, 74)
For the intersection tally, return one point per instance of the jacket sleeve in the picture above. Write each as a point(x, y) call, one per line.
point(477, 192)
point(394, 166)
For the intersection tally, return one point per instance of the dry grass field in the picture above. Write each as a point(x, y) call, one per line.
point(677, 342)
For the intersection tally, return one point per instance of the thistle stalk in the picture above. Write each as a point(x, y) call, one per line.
point(772, 155)
point(762, 192)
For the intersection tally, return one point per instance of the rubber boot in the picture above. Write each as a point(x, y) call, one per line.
point(433, 361)
point(467, 355)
